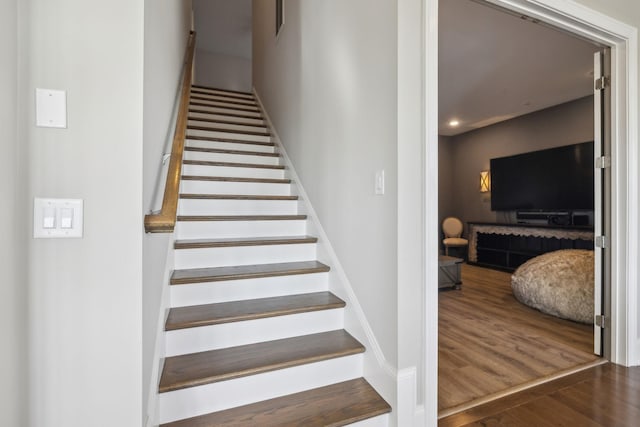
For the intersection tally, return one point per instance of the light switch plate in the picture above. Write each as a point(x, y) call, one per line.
point(51, 108)
point(68, 218)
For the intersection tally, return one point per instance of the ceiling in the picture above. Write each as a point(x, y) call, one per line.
point(223, 26)
point(494, 66)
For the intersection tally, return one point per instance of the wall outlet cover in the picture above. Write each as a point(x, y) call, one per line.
point(51, 108)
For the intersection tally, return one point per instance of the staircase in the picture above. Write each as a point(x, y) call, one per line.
point(253, 336)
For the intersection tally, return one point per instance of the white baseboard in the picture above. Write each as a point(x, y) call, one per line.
point(635, 356)
point(153, 407)
point(409, 413)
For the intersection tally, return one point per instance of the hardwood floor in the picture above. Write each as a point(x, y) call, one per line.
point(489, 342)
point(604, 396)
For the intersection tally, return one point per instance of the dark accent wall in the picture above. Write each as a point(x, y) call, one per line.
point(469, 153)
point(445, 179)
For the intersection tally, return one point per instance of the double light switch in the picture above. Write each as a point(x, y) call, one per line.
point(57, 218)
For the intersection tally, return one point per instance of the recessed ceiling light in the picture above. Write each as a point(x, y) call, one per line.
point(453, 123)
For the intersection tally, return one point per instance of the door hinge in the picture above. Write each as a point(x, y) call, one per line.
point(601, 242)
point(602, 83)
point(603, 162)
point(601, 321)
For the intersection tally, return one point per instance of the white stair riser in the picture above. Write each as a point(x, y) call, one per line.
point(225, 104)
point(223, 229)
point(213, 116)
point(231, 146)
point(200, 400)
point(232, 158)
point(243, 255)
point(227, 135)
point(229, 187)
point(379, 421)
point(235, 126)
point(221, 110)
point(237, 207)
point(193, 340)
point(223, 92)
point(235, 290)
point(222, 97)
point(238, 172)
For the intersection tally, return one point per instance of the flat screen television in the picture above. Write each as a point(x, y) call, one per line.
point(559, 178)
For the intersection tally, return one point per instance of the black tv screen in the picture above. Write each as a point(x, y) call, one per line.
point(555, 179)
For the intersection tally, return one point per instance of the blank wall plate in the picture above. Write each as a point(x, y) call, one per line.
point(57, 218)
point(51, 108)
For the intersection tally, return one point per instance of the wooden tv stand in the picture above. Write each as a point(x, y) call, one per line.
point(507, 246)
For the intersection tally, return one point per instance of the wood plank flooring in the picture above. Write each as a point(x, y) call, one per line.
point(489, 342)
point(604, 396)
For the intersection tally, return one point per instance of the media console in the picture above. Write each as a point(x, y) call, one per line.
point(507, 246)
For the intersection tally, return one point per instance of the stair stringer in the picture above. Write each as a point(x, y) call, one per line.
point(152, 417)
point(377, 370)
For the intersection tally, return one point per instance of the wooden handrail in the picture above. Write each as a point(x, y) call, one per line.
point(165, 220)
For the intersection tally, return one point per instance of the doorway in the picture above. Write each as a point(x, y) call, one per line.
point(565, 21)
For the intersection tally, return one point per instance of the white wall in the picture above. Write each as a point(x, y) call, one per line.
point(223, 58)
point(13, 291)
point(410, 223)
point(166, 32)
point(223, 71)
point(329, 84)
point(85, 295)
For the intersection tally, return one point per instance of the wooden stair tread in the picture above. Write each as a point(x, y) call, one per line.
point(222, 90)
point(235, 179)
point(231, 164)
point(334, 405)
point(229, 140)
point(225, 151)
point(217, 104)
point(226, 122)
point(242, 217)
point(243, 241)
point(235, 197)
point(236, 311)
point(235, 101)
point(226, 113)
point(215, 274)
point(225, 130)
point(221, 103)
point(207, 367)
point(232, 96)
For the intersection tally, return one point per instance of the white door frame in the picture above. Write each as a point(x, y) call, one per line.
point(623, 40)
